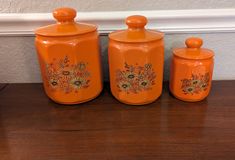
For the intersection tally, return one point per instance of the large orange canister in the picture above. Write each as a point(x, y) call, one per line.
point(69, 58)
point(191, 71)
point(136, 57)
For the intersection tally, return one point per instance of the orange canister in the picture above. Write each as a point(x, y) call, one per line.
point(69, 59)
point(136, 57)
point(191, 71)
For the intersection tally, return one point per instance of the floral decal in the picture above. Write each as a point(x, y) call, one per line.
point(196, 84)
point(66, 77)
point(135, 78)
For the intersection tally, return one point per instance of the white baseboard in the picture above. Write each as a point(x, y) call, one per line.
point(168, 21)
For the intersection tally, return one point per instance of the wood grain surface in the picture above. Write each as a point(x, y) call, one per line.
point(32, 127)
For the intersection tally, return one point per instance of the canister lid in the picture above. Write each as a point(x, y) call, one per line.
point(193, 50)
point(65, 26)
point(136, 31)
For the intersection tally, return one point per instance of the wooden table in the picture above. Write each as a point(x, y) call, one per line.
point(34, 128)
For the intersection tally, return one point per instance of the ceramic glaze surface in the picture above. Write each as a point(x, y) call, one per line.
point(136, 58)
point(70, 64)
point(190, 79)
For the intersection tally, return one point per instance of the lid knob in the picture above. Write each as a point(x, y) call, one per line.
point(136, 21)
point(194, 42)
point(64, 14)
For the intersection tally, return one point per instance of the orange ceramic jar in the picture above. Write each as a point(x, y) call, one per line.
point(191, 71)
point(136, 57)
point(69, 58)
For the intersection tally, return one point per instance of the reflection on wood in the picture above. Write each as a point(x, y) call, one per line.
point(33, 127)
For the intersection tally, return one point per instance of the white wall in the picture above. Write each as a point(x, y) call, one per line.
point(19, 61)
point(25, 6)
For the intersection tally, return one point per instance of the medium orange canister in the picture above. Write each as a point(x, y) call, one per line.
point(69, 58)
point(191, 71)
point(136, 57)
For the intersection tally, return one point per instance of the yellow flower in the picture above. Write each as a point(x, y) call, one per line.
point(203, 85)
point(53, 83)
point(144, 83)
point(130, 75)
point(190, 89)
point(124, 86)
point(196, 82)
point(65, 71)
point(77, 82)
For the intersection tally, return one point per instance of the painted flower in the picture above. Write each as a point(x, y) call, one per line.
point(130, 75)
point(196, 84)
point(189, 89)
point(53, 83)
point(144, 84)
point(148, 66)
point(77, 82)
point(66, 72)
point(67, 77)
point(124, 86)
point(204, 85)
point(135, 78)
point(140, 76)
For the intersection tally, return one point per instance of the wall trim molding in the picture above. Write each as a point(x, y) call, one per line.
point(168, 21)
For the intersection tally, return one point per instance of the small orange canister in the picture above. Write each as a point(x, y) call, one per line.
point(191, 71)
point(136, 57)
point(69, 58)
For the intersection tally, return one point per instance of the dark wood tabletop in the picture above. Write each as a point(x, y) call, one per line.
point(32, 127)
